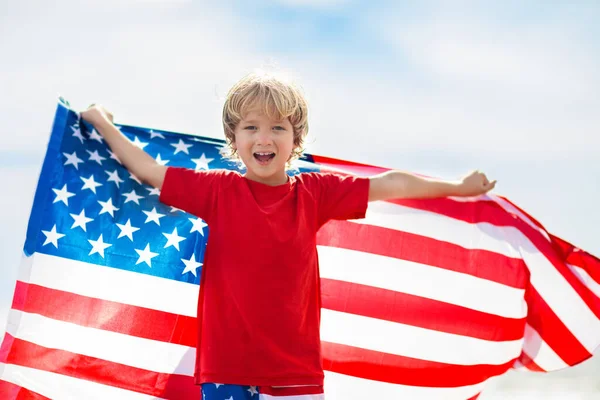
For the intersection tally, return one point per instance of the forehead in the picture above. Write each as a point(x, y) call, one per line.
point(258, 113)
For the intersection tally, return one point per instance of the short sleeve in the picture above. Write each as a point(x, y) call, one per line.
point(341, 197)
point(192, 191)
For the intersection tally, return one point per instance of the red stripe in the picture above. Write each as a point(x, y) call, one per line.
point(529, 363)
point(290, 391)
point(552, 330)
point(93, 369)
point(425, 250)
point(10, 391)
point(578, 257)
point(493, 213)
point(106, 315)
point(417, 311)
point(397, 369)
point(5, 347)
point(474, 397)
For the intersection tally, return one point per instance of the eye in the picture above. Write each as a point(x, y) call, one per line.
point(279, 128)
point(250, 127)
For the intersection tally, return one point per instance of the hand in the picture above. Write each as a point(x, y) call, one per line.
point(96, 114)
point(475, 183)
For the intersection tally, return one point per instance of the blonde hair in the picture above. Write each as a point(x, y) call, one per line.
point(279, 98)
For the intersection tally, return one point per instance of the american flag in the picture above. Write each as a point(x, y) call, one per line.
point(422, 299)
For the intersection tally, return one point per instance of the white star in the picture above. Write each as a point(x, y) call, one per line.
point(132, 196)
point(127, 230)
point(113, 156)
point(95, 136)
point(52, 236)
point(190, 266)
point(145, 256)
point(80, 220)
point(95, 156)
point(135, 178)
point(155, 134)
point(153, 216)
point(173, 239)
point(198, 225)
point(90, 183)
point(160, 160)
point(252, 391)
point(73, 160)
point(202, 162)
point(181, 146)
point(62, 195)
point(153, 191)
point(216, 384)
point(77, 132)
point(230, 398)
point(114, 177)
point(138, 143)
point(175, 209)
point(98, 246)
point(107, 207)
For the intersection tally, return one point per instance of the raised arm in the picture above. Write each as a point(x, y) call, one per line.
point(398, 184)
point(136, 160)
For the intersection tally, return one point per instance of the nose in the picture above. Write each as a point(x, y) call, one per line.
point(264, 137)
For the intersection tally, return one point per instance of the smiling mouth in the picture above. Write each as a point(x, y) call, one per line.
point(264, 157)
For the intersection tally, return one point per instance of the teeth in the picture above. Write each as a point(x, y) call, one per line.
point(264, 154)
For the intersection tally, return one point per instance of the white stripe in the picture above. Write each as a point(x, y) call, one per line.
point(344, 387)
point(422, 280)
point(482, 236)
point(586, 279)
point(411, 341)
point(321, 396)
point(513, 210)
point(556, 291)
point(540, 352)
point(137, 352)
point(57, 386)
point(113, 284)
point(561, 297)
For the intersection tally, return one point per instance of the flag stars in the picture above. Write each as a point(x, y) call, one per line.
point(127, 230)
point(181, 146)
point(160, 160)
point(113, 156)
point(252, 391)
point(197, 225)
point(107, 207)
point(135, 178)
point(155, 134)
point(73, 160)
point(132, 196)
point(173, 239)
point(114, 177)
point(94, 135)
point(98, 246)
point(138, 143)
point(145, 255)
point(95, 156)
point(202, 162)
point(153, 191)
point(90, 183)
point(80, 220)
point(153, 216)
point(62, 195)
point(192, 265)
point(52, 236)
point(77, 132)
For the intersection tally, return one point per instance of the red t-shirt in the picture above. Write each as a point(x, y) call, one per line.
point(259, 302)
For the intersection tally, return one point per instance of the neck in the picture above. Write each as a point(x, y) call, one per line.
point(274, 180)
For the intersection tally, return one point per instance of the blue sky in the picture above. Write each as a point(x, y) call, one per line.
point(436, 87)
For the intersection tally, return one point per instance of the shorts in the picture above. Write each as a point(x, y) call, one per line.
point(219, 391)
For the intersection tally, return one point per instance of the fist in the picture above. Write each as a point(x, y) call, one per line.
point(96, 115)
point(476, 183)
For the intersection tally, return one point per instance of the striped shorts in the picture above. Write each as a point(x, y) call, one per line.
point(218, 391)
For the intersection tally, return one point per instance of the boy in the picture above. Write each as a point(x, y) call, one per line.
point(259, 302)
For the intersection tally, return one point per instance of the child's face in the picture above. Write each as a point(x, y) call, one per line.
point(265, 146)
